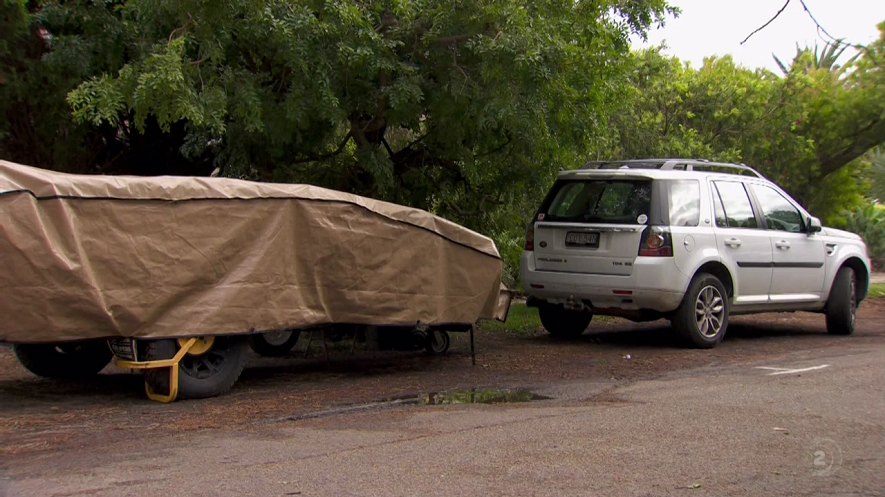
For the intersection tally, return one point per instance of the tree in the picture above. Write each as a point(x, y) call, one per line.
point(807, 130)
point(877, 173)
point(456, 106)
point(37, 70)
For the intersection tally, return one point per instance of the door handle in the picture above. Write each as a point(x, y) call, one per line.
point(733, 242)
point(783, 245)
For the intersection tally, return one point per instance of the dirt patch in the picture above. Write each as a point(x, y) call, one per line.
point(38, 415)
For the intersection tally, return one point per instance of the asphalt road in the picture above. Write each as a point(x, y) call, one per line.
point(809, 421)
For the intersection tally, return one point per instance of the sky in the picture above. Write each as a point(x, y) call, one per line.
point(717, 27)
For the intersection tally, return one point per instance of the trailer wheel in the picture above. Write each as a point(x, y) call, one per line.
point(64, 360)
point(274, 343)
point(438, 342)
point(209, 369)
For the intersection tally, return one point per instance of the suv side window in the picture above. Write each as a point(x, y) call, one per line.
point(779, 213)
point(736, 209)
point(684, 202)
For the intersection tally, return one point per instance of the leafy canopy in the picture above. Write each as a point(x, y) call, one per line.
point(448, 105)
point(807, 129)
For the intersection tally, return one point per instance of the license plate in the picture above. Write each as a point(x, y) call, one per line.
point(124, 348)
point(582, 239)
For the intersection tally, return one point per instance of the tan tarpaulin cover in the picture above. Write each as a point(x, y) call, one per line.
point(100, 256)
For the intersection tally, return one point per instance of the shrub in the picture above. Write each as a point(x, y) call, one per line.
point(869, 223)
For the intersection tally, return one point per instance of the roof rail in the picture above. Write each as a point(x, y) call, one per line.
point(675, 165)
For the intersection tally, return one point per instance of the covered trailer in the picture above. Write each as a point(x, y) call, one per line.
point(176, 272)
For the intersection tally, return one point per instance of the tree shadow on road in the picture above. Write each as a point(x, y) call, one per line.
point(659, 334)
point(30, 391)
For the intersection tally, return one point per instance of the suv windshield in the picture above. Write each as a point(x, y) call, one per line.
point(601, 201)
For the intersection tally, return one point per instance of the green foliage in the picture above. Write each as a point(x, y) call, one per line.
point(466, 108)
point(807, 130)
point(840, 192)
point(43, 56)
point(869, 222)
point(521, 320)
point(877, 291)
point(877, 173)
point(448, 106)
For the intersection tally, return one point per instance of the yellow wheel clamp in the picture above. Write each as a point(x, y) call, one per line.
point(172, 364)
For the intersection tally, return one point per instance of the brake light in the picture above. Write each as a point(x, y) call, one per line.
point(530, 237)
point(656, 242)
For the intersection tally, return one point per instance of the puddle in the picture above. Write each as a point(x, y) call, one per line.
point(479, 396)
point(450, 397)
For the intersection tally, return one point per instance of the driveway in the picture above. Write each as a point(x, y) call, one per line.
point(778, 408)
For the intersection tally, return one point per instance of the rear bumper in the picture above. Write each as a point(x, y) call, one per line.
point(653, 285)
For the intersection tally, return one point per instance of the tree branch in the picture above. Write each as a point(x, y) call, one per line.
point(820, 29)
point(326, 155)
point(864, 139)
point(387, 146)
point(760, 28)
point(452, 40)
point(496, 149)
point(414, 142)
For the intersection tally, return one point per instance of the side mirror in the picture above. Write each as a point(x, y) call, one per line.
point(814, 225)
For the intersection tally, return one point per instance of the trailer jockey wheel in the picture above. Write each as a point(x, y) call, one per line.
point(438, 342)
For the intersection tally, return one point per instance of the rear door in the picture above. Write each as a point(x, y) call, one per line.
point(744, 247)
point(592, 225)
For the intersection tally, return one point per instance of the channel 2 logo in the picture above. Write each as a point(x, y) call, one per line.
point(826, 457)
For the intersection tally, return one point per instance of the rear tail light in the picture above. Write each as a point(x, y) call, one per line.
point(656, 242)
point(530, 237)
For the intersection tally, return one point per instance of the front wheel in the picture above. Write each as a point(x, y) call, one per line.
point(842, 303)
point(209, 369)
point(64, 360)
point(563, 323)
point(702, 318)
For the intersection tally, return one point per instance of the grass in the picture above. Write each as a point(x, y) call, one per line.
point(521, 320)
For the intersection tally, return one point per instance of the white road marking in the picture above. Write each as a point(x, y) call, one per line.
point(777, 371)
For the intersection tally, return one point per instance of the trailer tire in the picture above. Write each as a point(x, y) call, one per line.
point(75, 360)
point(274, 343)
point(208, 374)
point(438, 342)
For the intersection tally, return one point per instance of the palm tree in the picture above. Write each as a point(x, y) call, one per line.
point(826, 59)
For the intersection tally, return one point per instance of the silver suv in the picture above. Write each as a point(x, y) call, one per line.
point(689, 240)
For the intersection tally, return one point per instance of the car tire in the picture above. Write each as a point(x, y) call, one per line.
point(563, 323)
point(274, 343)
point(702, 318)
point(75, 360)
point(209, 374)
point(842, 303)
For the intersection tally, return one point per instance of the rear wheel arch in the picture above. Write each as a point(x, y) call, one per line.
point(721, 273)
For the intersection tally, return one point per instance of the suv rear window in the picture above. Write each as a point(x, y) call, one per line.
point(601, 201)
